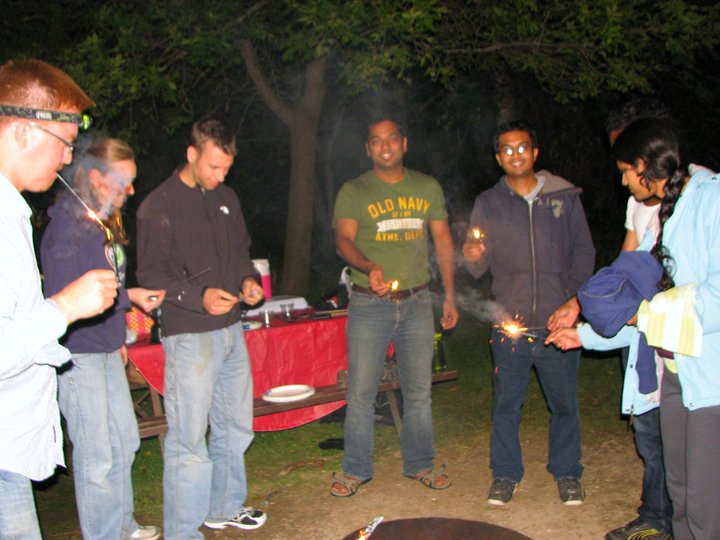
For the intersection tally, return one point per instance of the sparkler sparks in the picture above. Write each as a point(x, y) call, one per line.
point(92, 215)
point(394, 285)
point(477, 234)
point(515, 328)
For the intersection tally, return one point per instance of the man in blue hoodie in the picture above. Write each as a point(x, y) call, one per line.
point(537, 245)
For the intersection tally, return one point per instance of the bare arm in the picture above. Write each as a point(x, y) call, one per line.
point(442, 238)
point(631, 241)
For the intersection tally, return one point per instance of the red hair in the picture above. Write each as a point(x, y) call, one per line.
point(37, 84)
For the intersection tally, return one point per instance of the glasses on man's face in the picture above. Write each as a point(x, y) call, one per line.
point(519, 149)
point(67, 143)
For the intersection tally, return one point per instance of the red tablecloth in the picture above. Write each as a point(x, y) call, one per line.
point(303, 352)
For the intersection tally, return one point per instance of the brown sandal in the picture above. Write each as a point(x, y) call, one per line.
point(434, 479)
point(345, 486)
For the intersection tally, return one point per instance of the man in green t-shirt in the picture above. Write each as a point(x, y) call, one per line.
point(382, 219)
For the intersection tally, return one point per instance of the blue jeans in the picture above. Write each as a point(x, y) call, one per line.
point(95, 400)
point(374, 322)
point(18, 519)
point(655, 506)
point(207, 377)
point(557, 372)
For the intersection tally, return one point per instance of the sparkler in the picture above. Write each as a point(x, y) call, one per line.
point(515, 329)
point(92, 215)
point(394, 285)
point(477, 234)
point(367, 531)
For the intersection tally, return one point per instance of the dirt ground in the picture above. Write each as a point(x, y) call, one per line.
point(612, 482)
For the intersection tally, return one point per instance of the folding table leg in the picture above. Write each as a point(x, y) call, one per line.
point(397, 418)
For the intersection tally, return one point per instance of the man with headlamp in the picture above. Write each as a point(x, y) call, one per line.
point(40, 108)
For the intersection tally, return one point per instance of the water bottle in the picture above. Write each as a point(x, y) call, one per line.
point(156, 331)
point(439, 363)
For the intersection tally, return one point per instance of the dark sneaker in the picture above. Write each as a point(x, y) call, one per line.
point(247, 518)
point(571, 491)
point(637, 529)
point(501, 491)
point(143, 532)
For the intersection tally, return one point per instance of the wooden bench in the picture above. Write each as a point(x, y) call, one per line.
point(155, 425)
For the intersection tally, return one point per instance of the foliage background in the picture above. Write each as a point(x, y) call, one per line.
point(452, 69)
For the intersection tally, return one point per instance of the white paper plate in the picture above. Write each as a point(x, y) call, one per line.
point(252, 325)
point(291, 392)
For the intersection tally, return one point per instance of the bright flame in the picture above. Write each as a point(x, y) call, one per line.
point(477, 233)
point(514, 328)
point(394, 286)
point(108, 233)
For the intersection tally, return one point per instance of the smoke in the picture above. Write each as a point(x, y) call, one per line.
point(472, 302)
point(78, 176)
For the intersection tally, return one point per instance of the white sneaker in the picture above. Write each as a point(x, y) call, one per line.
point(247, 518)
point(144, 532)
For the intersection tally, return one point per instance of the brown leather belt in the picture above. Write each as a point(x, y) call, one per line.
point(393, 295)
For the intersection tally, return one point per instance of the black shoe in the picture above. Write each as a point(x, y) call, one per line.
point(571, 490)
point(501, 491)
point(637, 529)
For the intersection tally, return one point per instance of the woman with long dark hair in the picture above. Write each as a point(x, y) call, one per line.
point(86, 232)
point(688, 247)
point(683, 315)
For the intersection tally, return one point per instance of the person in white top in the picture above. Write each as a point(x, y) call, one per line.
point(642, 218)
point(40, 110)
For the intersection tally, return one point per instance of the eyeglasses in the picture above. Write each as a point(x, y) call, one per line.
point(67, 143)
point(519, 149)
point(83, 121)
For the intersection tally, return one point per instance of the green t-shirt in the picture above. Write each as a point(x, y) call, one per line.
point(393, 223)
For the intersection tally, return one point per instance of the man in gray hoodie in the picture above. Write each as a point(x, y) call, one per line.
point(535, 241)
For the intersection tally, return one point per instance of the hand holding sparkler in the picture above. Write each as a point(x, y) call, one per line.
point(148, 300)
point(474, 246)
point(376, 281)
point(87, 296)
point(565, 316)
point(251, 293)
point(218, 301)
point(564, 339)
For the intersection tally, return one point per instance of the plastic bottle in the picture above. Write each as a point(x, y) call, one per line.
point(439, 363)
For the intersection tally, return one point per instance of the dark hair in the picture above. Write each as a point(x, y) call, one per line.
point(506, 127)
point(213, 130)
point(635, 109)
point(653, 141)
point(382, 117)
